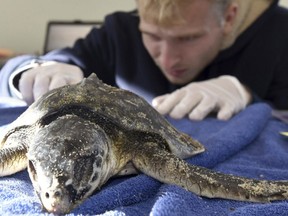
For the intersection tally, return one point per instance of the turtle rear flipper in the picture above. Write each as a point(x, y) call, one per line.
point(167, 168)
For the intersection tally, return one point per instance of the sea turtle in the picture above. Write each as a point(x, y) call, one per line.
point(74, 138)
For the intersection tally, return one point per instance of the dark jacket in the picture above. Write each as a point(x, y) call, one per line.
point(258, 58)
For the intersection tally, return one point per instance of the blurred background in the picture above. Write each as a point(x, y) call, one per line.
point(23, 28)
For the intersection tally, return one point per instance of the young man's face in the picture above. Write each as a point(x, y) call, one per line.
point(183, 51)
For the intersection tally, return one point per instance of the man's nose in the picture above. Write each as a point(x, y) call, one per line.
point(169, 56)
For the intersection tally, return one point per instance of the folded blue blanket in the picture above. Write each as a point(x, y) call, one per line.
point(247, 145)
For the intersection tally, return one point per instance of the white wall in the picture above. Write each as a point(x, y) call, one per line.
point(23, 22)
point(284, 3)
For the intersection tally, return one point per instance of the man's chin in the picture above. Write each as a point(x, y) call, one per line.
point(177, 80)
point(180, 78)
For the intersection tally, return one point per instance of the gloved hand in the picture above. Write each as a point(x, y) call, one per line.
point(225, 95)
point(47, 76)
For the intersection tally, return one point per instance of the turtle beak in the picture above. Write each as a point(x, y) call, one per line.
point(56, 201)
point(54, 197)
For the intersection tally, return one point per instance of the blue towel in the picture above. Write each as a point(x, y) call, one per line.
point(247, 145)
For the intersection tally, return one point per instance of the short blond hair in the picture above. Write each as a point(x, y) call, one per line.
point(168, 12)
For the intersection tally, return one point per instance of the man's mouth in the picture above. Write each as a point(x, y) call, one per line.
point(176, 73)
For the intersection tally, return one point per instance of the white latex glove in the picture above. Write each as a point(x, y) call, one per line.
point(50, 75)
point(225, 95)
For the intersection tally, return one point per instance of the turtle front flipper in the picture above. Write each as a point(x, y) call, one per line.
point(14, 145)
point(167, 168)
point(12, 160)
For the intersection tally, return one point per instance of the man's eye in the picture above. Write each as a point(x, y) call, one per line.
point(187, 39)
point(152, 37)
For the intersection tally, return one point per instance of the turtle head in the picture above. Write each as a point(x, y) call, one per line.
point(67, 162)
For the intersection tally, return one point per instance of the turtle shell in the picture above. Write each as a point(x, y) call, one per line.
point(104, 104)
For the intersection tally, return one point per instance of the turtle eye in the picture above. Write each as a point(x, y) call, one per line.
point(32, 170)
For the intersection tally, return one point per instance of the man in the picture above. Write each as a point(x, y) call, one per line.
point(192, 57)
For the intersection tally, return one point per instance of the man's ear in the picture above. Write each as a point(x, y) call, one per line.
point(230, 16)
